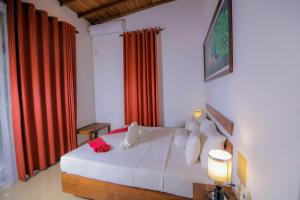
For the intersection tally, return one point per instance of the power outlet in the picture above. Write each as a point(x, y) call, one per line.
point(243, 194)
point(240, 191)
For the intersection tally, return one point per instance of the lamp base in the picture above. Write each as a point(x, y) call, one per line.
point(217, 194)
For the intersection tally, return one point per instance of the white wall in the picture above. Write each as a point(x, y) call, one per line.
point(85, 87)
point(108, 77)
point(262, 95)
point(182, 72)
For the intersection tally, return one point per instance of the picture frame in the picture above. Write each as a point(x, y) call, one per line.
point(218, 44)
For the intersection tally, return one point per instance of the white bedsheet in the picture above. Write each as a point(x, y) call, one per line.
point(179, 176)
point(148, 173)
point(114, 166)
point(154, 163)
point(138, 166)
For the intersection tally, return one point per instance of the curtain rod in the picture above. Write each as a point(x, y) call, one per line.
point(158, 30)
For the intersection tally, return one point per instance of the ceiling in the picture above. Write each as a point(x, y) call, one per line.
point(100, 11)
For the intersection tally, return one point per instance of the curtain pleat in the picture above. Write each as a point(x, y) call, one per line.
point(53, 80)
point(43, 41)
point(43, 87)
point(141, 78)
point(68, 49)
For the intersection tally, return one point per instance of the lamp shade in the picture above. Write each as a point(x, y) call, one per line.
point(197, 114)
point(220, 166)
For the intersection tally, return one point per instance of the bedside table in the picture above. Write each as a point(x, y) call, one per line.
point(93, 129)
point(199, 191)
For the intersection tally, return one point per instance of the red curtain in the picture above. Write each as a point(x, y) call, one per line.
point(141, 77)
point(43, 86)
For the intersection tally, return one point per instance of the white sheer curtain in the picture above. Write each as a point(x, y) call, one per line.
point(8, 172)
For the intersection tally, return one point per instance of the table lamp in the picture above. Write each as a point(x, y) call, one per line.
point(220, 171)
point(198, 113)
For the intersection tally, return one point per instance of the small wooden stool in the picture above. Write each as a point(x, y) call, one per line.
point(93, 129)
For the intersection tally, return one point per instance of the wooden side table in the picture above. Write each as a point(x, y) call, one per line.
point(200, 190)
point(93, 129)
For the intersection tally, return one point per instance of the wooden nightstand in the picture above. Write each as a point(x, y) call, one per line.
point(93, 129)
point(199, 191)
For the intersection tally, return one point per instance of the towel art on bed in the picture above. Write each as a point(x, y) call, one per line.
point(133, 133)
point(99, 145)
point(132, 136)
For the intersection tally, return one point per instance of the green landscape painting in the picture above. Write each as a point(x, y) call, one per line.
point(217, 44)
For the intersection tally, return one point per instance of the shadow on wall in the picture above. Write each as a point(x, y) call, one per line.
point(160, 81)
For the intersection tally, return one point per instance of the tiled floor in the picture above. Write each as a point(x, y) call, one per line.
point(44, 186)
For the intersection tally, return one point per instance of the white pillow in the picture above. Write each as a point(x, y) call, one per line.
point(191, 124)
point(202, 118)
point(210, 140)
point(192, 149)
point(208, 126)
point(180, 137)
point(132, 136)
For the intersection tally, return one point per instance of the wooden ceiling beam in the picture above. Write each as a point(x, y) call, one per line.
point(102, 7)
point(65, 2)
point(131, 12)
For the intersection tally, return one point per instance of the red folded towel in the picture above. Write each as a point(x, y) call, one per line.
point(99, 145)
point(120, 130)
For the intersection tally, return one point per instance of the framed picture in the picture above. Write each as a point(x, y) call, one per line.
point(218, 58)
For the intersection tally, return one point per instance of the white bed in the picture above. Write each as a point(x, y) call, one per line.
point(154, 163)
point(179, 176)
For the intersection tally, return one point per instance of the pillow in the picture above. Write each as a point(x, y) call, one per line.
point(192, 149)
point(210, 140)
point(191, 124)
point(180, 137)
point(207, 126)
point(202, 118)
point(132, 136)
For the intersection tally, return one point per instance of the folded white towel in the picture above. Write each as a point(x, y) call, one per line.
point(132, 136)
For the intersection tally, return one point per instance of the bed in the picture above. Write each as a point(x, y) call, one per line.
point(152, 169)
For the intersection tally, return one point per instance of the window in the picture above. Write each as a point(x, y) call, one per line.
point(8, 172)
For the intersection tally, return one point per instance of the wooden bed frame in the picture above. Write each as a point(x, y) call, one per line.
point(223, 121)
point(100, 190)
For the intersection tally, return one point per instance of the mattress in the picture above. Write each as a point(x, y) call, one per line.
point(148, 174)
point(154, 163)
point(138, 166)
point(179, 176)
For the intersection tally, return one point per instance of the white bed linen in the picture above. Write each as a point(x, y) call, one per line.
point(154, 163)
point(138, 166)
point(115, 166)
point(179, 176)
point(148, 174)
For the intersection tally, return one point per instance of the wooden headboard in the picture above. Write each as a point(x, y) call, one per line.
point(226, 124)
